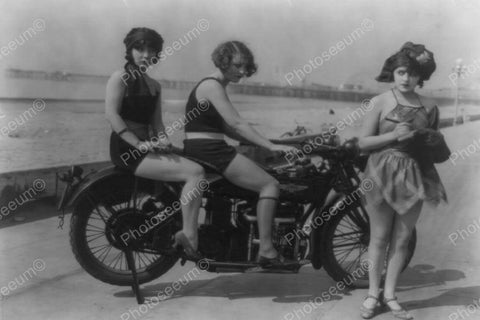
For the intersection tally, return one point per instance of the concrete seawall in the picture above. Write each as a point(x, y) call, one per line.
point(19, 187)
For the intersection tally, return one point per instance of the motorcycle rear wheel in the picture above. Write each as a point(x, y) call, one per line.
point(96, 245)
point(344, 246)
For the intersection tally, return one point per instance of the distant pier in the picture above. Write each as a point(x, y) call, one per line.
point(317, 92)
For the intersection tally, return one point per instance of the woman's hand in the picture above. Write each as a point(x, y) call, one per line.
point(284, 148)
point(145, 146)
point(161, 145)
point(156, 146)
point(403, 130)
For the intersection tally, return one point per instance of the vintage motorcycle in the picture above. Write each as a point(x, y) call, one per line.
point(320, 218)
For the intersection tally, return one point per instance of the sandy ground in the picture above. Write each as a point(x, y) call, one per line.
point(64, 133)
point(441, 282)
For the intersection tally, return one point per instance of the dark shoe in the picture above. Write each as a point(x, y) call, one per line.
point(398, 313)
point(368, 313)
point(185, 247)
point(278, 262)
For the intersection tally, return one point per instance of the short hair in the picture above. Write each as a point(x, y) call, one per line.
point(139, 38)
point(223, 55)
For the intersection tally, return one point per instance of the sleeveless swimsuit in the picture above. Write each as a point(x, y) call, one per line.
point(213, 154)
point(138, 105)
point(399, 177)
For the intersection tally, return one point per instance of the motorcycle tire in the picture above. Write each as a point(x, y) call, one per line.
point(93, 211)
point(344, 245)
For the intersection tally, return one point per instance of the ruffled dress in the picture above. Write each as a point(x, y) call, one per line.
point(400, 178)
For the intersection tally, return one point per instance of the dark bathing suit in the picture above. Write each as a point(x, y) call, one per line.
point(138, 105)
point(213, 154)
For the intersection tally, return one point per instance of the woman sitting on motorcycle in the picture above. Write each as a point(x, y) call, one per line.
point(133, 108)
point(205, 139)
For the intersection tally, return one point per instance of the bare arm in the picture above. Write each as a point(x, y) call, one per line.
point(369, 138)
point(215, 93)
point(113, 101)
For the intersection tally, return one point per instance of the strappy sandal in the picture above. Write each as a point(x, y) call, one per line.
point(398, 313)
point(368, 313)
point(183, 245)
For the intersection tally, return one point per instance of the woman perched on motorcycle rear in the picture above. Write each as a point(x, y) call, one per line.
point(138, 142)
point(205, 140)
point(403, 176)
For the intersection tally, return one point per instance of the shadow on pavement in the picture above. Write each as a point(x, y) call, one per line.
point(306, 286)
point(425, 275)
point(462, 296)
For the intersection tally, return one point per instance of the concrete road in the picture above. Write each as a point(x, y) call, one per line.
point(40, 279)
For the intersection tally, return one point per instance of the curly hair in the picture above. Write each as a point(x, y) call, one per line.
point(223, 55)
point(400, 59)
point(139, 38)
point(414, 57)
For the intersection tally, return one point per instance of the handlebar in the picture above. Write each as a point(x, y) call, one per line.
point(327, 146)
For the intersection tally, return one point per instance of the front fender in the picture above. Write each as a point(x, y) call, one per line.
point(333, 200)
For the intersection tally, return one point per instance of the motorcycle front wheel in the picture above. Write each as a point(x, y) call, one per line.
point(105, 216)
point(344, 246)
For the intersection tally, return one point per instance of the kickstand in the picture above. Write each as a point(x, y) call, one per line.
point(135, 285)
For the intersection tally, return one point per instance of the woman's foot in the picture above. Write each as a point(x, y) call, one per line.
point(182, 242)
point(397, 310)
point(273, 260)
point(371, 306)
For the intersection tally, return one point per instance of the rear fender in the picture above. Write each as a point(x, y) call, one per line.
point(102, 176)
point(94, 180)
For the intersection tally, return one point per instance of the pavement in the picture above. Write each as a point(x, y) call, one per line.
point(40, 278)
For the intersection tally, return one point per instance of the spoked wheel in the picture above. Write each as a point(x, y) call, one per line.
point(109, 217)
point(344, 246)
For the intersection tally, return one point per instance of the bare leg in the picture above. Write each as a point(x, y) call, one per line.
point(246, 174)
point(402, 230)
point(176, 168)
point(381, 220)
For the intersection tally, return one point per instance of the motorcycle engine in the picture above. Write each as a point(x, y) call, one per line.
point(230, 231)
point(283, 228)
point(221, 237)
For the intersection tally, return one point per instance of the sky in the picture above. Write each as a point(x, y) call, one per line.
point(86, 36)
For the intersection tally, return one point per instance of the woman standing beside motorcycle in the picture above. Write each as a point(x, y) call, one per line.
point(205, 140)
point(403, 179)
point(133, 107)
